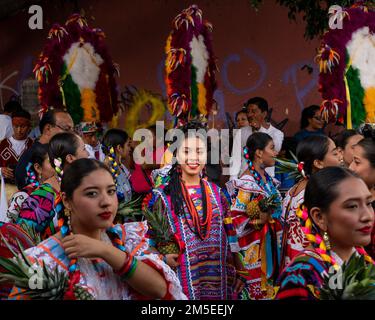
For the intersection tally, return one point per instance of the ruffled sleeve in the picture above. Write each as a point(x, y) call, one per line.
point(134, 236)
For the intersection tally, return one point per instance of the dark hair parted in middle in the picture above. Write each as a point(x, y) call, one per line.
point(174, 185)
point(310, 149)
point(61, 145)
point(114, 138)
point(77, 171)
point(322, 187)
point(257, 141)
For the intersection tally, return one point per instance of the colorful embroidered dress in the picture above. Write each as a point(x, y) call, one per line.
point(15, 203)
point(41, 210)
point(294, 240)
point(258, 250)
point(204, 270)
point(303, 277)
point(97, 276)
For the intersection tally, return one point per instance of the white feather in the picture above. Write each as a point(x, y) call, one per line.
point(85, 69)
point(199, 56)
point(361, 49)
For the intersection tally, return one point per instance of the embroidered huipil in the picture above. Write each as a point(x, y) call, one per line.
point(205, 271)
point(258, 250)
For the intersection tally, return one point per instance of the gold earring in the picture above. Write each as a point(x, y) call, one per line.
point(326, 240)
point(67, 212)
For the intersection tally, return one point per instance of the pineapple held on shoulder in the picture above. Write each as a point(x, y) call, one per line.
point(165, 240)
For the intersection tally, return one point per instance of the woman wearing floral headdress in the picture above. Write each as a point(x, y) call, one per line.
point(253, 226)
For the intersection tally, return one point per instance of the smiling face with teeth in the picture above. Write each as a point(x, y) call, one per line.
point(192, 157)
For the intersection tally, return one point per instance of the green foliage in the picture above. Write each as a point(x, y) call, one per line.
point(358, 281)
point(19, 272)
point(158, 223)
point(269, 203)
point(314, 13)
point(129, 210)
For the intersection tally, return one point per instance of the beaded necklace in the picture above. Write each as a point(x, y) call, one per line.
point(207, 212)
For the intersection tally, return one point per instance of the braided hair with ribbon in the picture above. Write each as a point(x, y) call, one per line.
point(321, 191)
point(59, 148)
point(71, 180)
point(113, 139)
point(38, 155)
point(31, 175)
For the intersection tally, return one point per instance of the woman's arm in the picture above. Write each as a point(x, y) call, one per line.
point(146, 280)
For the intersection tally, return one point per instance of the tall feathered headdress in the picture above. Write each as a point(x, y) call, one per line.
point(190, 66)
point(347, 67)
point(75, 72)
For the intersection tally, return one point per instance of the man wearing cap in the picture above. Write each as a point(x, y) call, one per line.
point(88, 131)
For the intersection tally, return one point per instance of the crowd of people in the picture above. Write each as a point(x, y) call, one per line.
point(249, 235)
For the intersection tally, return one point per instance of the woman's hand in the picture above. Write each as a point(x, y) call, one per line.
point(172, 260)
point(239, 285)
point(81, 246)
point(7, 173)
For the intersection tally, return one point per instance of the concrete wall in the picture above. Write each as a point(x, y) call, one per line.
point(260, 53)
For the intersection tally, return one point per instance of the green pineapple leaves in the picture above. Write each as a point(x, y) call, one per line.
point(355, 280)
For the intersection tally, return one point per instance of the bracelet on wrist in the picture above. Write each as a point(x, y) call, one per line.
point(128, 269)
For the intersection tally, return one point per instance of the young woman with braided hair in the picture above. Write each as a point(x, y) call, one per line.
point(106, 261)
point(116, 147)
point(194, 209)
point(41, 208)
point(38, 170)
point(255, 231)
point(337, 219)
point(313, 154)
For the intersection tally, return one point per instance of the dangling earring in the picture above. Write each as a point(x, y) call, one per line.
point(326, 240)
point(67, 215)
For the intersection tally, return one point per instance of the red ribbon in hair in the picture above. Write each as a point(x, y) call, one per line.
point(300, 168)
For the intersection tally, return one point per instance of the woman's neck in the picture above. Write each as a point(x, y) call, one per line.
point(190, 180)
point(94, 234)
point(54, 182)
point(343, 252)
point(259, 169)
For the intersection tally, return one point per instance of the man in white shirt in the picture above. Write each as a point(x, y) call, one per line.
point(257, 111)
point(6, 128)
